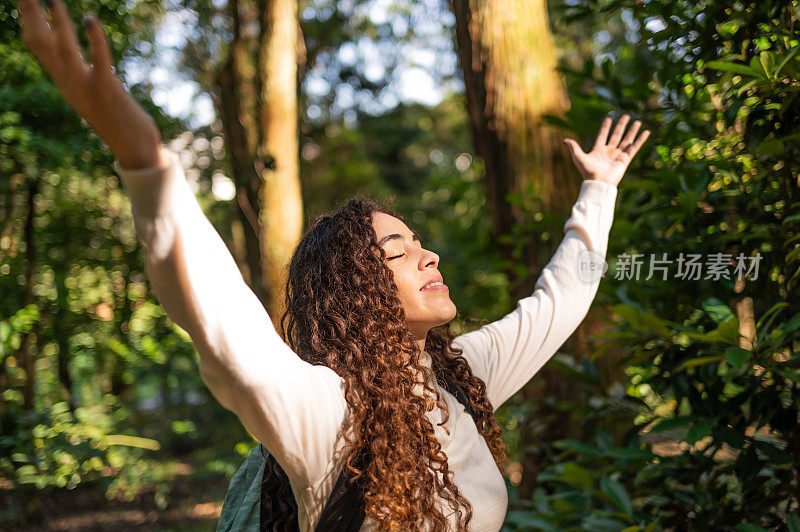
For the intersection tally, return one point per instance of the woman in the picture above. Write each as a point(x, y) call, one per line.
point(366, 317)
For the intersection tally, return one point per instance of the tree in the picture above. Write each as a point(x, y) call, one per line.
point(516, 100)
point(258, 107)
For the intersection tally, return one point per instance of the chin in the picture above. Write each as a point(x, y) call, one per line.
point(448, 316)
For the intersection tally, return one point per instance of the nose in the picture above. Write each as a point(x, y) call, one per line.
point(428, 258)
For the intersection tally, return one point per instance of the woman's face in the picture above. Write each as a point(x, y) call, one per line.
point(414, 268)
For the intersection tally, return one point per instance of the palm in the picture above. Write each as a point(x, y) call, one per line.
point(609, 157)
point(92, 89)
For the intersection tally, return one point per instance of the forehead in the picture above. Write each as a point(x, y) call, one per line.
point(386, 224)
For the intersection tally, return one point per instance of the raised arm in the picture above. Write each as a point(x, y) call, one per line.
point(293, 408)
point(280, 398)
point(507, 353)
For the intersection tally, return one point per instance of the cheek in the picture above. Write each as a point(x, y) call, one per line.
point(406, 286)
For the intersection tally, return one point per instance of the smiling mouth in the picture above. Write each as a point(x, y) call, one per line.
point(438, 285)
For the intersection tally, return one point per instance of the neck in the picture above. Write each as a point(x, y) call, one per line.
point(426, 360)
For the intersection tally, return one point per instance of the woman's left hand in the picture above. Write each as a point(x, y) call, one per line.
point(609, 157)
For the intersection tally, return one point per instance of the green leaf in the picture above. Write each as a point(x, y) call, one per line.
point(570, 371)
point(27, 471)
point(629, 454)
point(758, 67)
point(657, 324)
point(528, 520)
point(576, 475)
point(577, 446)
point(737, 68)
point(699, 361)
point(773, 309)
point(793, 522)
point(793, 324)
point(729, 27)
point(717, 310)
point(698, 431)
point(601, 523)
point(736, 356)
point(767, 59)
point(771, 147)
point(617, 493)
point(786, 59)
point(727, 332)
point(672, 423)
point(747, 86)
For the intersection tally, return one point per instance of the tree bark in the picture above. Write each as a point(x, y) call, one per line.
point(257, 103)
point(509, 62)
point(281, 216)
point(235, 103)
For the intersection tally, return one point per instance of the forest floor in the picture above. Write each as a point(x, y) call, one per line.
point(195, 502)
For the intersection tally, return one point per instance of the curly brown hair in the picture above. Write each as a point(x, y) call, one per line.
point(343, 311)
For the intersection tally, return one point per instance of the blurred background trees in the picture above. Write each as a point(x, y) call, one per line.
point(681, 412)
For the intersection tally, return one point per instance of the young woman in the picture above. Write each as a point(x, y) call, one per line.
point(367, 317)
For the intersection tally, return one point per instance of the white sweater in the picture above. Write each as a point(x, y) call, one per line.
point(296, 410)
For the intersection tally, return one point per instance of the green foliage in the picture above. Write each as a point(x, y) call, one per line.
point(113, 382)
point(717, 83)
point(702, 434)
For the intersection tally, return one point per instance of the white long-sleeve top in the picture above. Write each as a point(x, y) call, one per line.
point(295, 409)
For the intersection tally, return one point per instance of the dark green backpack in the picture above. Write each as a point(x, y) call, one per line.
point(260, 498)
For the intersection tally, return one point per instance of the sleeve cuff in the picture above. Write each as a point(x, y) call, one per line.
point(156, 190)
point(167, 158)
point(597, 192)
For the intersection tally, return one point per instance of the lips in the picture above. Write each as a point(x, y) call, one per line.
point(433, 279)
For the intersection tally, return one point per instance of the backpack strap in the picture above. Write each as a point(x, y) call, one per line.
point(240, 511)
point(446, 381)
point(345, 510)
point(279, 512)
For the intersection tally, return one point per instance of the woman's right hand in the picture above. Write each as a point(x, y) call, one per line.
point(94, 91)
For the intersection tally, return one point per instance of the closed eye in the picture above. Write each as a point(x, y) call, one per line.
point(395, 257)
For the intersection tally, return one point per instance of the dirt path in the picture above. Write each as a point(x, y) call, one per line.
point(194, 504)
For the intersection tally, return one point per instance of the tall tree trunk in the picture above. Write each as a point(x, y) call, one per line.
point(509, 62)
point(235, 106)
point(278, 151)
point(258, 106)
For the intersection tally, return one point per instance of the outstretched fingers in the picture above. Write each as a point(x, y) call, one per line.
point(67, 39)
point(628, 140)
point(602, 135)
point(99, 51)
point(36, 33)
point(631, 149)
point(617, 134)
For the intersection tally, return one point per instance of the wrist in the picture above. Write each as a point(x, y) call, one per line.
point(142, 158)
point(609, 182)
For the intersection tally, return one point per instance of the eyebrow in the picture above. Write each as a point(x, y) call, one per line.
point(398, 236)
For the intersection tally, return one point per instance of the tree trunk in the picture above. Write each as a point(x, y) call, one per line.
point(258, 107)
point(509, 61)
point(235, 107)
point(278, 146)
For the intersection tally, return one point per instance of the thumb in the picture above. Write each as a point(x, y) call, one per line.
point(573, 146)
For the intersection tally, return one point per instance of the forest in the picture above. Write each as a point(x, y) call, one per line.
point(673, 406)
